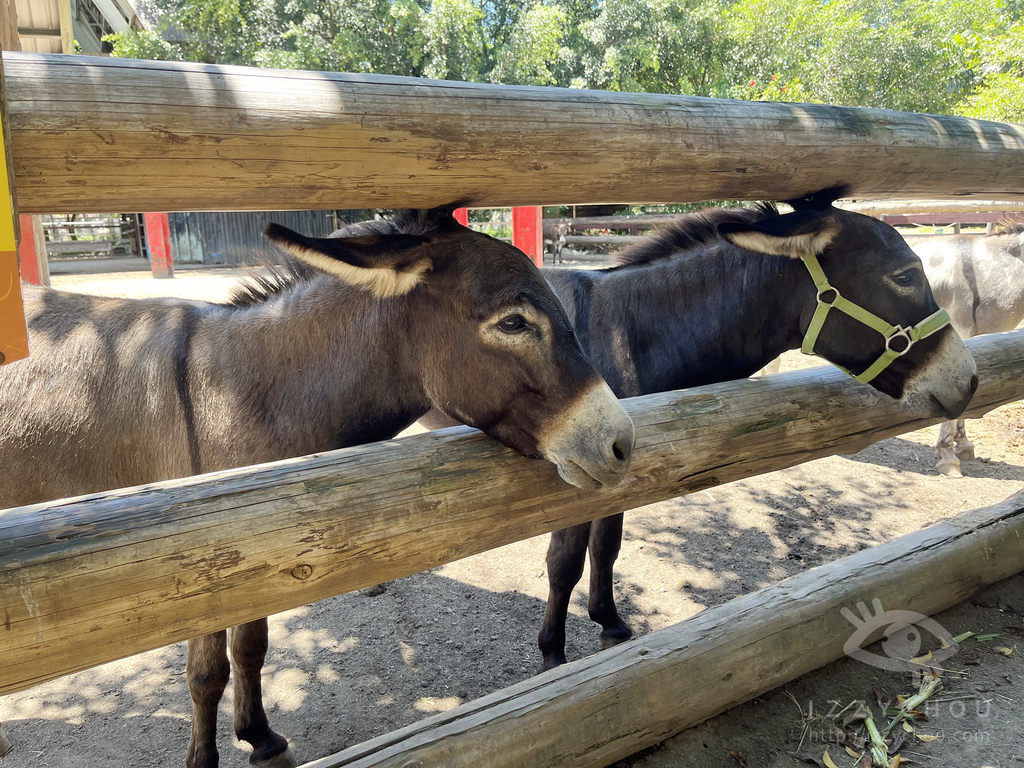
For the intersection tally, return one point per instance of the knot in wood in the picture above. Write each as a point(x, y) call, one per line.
point(302, 572)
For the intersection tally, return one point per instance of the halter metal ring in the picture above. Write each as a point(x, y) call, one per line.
point(899, 333)
point(829, 289)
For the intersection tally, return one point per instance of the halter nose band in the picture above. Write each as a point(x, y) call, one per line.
point(898, 340)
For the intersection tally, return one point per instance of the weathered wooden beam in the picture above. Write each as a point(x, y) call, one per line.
point(605, 707)
point(633, 222)
point(105, 134)
point(98, 578)
point(943, 219)
point(878, 207)
point(616, 240)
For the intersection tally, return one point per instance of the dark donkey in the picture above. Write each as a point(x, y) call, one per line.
point(120, 392)
point(717, 295)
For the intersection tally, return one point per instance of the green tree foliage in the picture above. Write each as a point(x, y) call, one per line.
point(1000, 94)
point(922, 55)
point(912, 55)
point(534, 52)
point(658, 46)
point(453, 40)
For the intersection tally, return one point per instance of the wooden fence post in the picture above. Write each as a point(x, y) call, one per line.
point(9, 41)
point(13, 332)
point(67, 32)
point(528, 232)
point(32, 251)
point(158, 243)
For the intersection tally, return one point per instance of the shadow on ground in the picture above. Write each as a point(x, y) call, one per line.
point(354, 667)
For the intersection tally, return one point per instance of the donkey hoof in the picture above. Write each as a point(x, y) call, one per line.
point(281, 760)
point(949, 468)
point(965, 451)
point(5, 744)
point(553, 661)
point(614, 636)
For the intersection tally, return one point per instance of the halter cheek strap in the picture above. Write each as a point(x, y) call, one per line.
point(898, 340)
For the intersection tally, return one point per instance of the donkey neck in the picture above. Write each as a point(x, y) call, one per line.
point(318, 367)
point(695, 319)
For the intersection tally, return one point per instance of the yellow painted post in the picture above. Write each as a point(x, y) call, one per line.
point(13, 333)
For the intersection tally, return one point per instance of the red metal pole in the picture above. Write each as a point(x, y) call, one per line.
point(158, 243)
point(462, 216)
point(32, 253)
point(528, 232)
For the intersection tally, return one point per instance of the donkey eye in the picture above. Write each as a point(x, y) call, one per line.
point(905, 278)
point(512, 324)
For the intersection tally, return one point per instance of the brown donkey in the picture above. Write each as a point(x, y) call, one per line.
point(381, 328)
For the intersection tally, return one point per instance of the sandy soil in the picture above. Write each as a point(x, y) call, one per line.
point(359, 665)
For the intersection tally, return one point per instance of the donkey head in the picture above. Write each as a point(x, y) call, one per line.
point(869, 308)
point(490, 343)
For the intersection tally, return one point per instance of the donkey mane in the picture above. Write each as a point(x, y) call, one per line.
point(1011, 225)
point(689, 231)
point(284, 272)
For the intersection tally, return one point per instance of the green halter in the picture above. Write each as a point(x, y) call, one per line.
point(895, 335)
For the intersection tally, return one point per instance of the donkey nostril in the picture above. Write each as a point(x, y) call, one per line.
point(618, 451)
point(974, 384)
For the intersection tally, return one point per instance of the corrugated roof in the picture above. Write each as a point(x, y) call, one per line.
point(39, 26)
point(39, 23)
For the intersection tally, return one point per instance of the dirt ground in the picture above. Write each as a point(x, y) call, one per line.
point(359, 665)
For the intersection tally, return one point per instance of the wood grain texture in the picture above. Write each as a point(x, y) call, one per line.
point(103, 134)
point(90, 580)
point(609, 706)
point(9, 39)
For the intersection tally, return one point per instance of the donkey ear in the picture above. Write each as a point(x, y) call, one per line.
point(386, 265)
point(804, 233)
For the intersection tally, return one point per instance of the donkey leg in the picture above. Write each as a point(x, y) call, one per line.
point(964, 448)
point(566, 554)
point(207, 669)
point(948, 463)
point(248, 652)
point(605, 540)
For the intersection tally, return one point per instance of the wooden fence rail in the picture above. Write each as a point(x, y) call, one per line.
point(882, 207)
point(90, 580)
point(104, 134)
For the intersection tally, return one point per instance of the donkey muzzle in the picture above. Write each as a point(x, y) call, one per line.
point(945, 385)
point(591, 443)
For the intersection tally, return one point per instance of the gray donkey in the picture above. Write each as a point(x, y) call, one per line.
point(353, 347)
point(980, 282)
